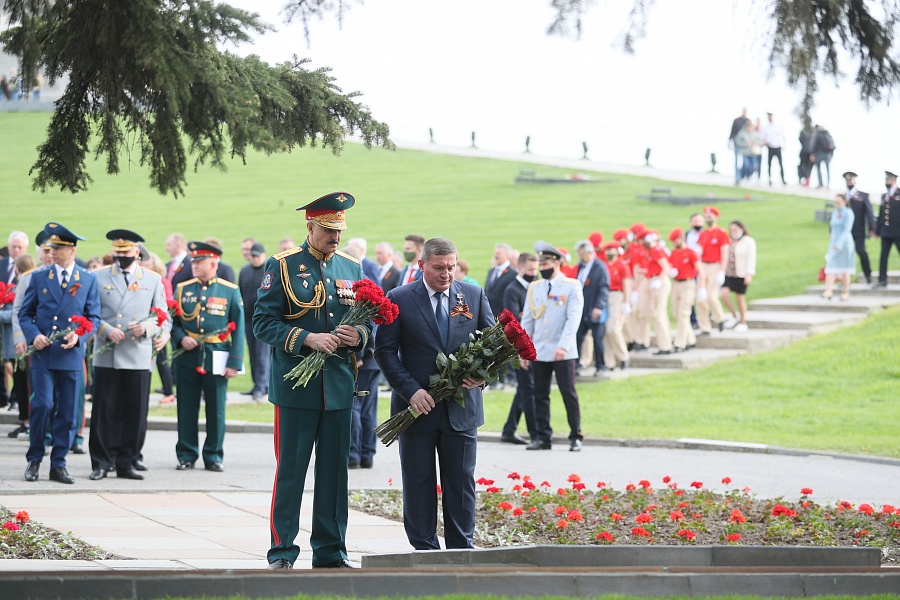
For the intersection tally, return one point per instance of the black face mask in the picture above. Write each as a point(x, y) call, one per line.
point(888, 186)
point(546, 273)
point(123, 261)
point(709, 223)
point(850, 186)
point(697, 227)
point(529, 278)
point(611, 257)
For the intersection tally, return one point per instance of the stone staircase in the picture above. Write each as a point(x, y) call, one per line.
point(773, 323)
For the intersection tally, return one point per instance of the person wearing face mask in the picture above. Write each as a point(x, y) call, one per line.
point(552, 313)
point(886, 228)
point(863, 222)
point(685, 271)
point(620, 280)
point(128, 293)
point(412, 250)
point(654, 305)
point(523, 401)
point(739, 271)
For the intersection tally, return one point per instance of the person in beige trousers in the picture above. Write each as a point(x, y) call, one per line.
point(620, 280)
point(687, 275)
point(714, 241)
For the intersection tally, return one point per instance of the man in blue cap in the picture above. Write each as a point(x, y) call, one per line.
point(208, 322)
point(53, 297)
point(304, 294)
point(552, 313)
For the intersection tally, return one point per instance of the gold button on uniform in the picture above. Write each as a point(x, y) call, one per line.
point(327, 281)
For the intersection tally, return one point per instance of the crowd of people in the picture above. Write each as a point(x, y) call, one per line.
point(120, 315)
point(748, 138)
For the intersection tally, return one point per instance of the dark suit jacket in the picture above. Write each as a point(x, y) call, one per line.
point(596, 289)
point(495, 289)
point(370, 269)
point(390, 280)
point(514, 298)
point(182, 273)
point(864, 216)
point(226, 272)
point(4, 268)
point(407, 348)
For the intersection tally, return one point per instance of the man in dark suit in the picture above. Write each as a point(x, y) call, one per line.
point(178, 270)
point(54, 296)
point(886, 228)
point(388, 274)
point(412, 250)
point(863, 222)
point(370, 269)
point(523, 401)
point(16, 247)
point(500, 276)
point(437, 314)
point(594, 277)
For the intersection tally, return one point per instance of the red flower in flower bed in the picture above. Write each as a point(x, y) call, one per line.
point(575, 515)
point(737, 516)
point(562, 524)
point(10, 526)
point(578, 486)
point(666, 479)
point(640, 532)
point(493, 490)
point(676, 515)
point(806, 491)
point(866, 509)
point(574, 478)
point(514, 476)
point(686, 534)
point(643, 518)
point(484, 481)
point(505, 506)
point(604, 536)
point(22, 517)
point(529, 485)
point(560, 509)
point(780, 510)
point(887, 509)
point(726, 480)
point(733, 537)
point(862, 532)
point(616, 517)
point(697, 484)
point(517, 511)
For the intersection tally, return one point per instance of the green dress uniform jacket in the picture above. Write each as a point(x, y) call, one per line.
point(303, 292)
point(205, 310)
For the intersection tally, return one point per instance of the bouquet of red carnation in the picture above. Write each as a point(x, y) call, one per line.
point(7, 295)
point(174, 308)
point(80, 325)
point(369, 304)
point(482, 359)
point(156, 313)
point(222, 334)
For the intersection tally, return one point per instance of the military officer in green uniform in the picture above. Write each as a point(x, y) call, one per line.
point(304, 294)
point(208, 308)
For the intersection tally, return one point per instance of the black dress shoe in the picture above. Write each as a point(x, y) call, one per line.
point(280, 564)
point(77, 448)
point(575, 446)
point(539, 445)
point(677, 350)
point(184, 465)
point(366, 464)
point(513, 438)
point(662, 352)
point(623, 365)
point(160, 391)
point(338, 564)
point(97, 474)
point(138, 465)
point(353, 465)
point(60, 475)
point(215, 466)
point(31, 472)
point(128, 473)
point(247, 393)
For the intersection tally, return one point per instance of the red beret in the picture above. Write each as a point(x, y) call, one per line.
point(620, 234)
point(613, 245)
point(596, 238)
point(638, 228)
point(712, 209)
point(676, 233)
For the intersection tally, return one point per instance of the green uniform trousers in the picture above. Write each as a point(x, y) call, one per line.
point(214, 387)
point(297, 432)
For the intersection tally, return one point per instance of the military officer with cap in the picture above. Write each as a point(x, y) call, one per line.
point(304, 294)
point(863, 222)
point(128, 293)
point(888, 225)
point(53, 297)
point(207, 309)
point(553, 307)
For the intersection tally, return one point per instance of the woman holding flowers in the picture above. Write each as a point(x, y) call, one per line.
point(437, 315)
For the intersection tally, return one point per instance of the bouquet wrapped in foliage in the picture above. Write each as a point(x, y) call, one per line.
point(80, 325)
point(481, 359)
point(369, 305)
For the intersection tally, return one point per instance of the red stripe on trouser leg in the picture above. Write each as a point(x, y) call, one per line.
point(277, 437)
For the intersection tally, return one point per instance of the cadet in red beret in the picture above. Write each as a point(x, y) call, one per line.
point(596, 240)
point(654, 296)
point(714, 241)
point(620, 280)
point(685, 270)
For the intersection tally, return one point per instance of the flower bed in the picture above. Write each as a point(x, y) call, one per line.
point(20, 537)
point(524, 512)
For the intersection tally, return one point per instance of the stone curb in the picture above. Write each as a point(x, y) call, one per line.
point(505, 582)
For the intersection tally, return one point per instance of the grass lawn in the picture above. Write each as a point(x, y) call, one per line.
point(828, 392)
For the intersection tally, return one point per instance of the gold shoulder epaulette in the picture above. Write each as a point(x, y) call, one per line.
point(104, 267)
point(347, 256)
point(184, 283)
point(28, 272)
point(227, 283)
point(287, 253)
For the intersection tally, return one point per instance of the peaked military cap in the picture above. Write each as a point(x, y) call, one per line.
point(201, 251)
point(41, 239)
point(547, 251)
point(889, 175)
point(123, 239)
point(850, 175)
point(328, 211)
point(59, 235)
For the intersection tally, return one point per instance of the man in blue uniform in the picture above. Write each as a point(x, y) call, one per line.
point(304, 294)
point(53, 297)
